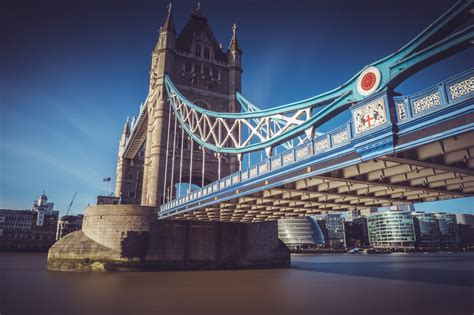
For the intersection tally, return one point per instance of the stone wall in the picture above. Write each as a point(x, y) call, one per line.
point(111, 225)
point(127, 237)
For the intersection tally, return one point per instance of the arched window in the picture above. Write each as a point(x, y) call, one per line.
point(198, 50)
point(207, 53)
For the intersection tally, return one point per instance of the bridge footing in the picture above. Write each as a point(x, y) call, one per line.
point(127, 238)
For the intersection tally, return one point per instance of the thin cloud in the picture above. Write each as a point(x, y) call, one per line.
point(89, 177)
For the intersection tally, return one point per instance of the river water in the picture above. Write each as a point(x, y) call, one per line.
point(315, 284)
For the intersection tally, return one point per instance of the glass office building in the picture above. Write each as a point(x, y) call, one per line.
point(426, 230)
point(391, 229)
point(448, 230)
point(301, 233)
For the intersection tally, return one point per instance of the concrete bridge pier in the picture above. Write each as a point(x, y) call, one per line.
point(128, 238)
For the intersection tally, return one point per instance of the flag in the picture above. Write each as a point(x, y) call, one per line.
point(107, 179)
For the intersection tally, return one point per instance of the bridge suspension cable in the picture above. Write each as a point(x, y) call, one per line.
point(267, 128)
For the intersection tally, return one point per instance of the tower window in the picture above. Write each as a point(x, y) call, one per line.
point(198, 50)
point(187, 67)
point(207, 53)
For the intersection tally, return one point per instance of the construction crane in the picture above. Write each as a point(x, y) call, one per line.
point(70, 205)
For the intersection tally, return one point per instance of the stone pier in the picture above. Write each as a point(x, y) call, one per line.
point(128, 238)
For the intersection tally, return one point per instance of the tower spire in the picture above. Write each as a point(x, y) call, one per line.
point(126, 127)
point(197, 10)
point(234, 43)
point(169, 25)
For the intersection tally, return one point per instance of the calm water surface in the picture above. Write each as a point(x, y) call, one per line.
point(322, 284)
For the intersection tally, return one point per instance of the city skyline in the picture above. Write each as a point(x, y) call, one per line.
point(65, 106)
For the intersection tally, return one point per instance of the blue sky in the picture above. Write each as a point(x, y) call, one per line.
point(71, 71)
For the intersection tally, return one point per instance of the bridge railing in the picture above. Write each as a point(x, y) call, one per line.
point(408, 108)
point(435, 97)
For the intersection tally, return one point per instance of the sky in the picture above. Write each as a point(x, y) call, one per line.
point(72, 71)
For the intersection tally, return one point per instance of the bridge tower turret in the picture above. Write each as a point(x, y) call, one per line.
point(121, 165)
point(234, 56)
point(207, 75)
point(158, 110)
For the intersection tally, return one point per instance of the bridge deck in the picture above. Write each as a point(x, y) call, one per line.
point(424, 151)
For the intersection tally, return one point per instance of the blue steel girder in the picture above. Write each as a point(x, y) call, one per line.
point(430, 46)
point(405, 137)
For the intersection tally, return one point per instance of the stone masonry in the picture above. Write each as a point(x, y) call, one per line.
point(124, 237)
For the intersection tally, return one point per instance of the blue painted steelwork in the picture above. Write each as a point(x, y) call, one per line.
point(428, 47)
point(456, 99)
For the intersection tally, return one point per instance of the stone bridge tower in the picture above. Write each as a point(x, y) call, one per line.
point(205, 74)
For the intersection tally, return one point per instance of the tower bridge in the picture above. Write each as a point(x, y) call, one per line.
point(196, 128)
point(422, 151)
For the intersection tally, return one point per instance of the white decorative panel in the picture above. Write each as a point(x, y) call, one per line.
point(426, 103)
point(402, 111)
point(253, 172)
point(276, 163)
point(340, 137)
point(287, 159)
point(369, 116)
point(321, 145)
point(302, 153)
point(235, 178)
point(462, 88)
point(245, 175)
point(263, 168)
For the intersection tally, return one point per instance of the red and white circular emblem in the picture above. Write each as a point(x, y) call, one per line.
point(369, 81)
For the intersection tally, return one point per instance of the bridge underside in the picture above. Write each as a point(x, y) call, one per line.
point(436, 171)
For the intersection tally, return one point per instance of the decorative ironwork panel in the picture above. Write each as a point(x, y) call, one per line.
point(245, 175)
point(253, 171)
point(235, 178)
point(288, 158)
point(228, 182)
point(369, 116)
point(402, 111)
point(303, 153)
point(276, 163)
point(427, 102)
point(262, 168)
point(462, 88)
point(340, 137)
point(321, 145)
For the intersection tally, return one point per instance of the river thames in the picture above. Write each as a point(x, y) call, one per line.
point(435, 283)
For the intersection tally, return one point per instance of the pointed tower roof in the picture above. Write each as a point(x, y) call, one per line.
point(126, 127)
point(234, 43)
point(197, 25)
point(169, 25)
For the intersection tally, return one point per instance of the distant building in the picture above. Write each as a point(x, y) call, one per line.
point(465, 230)
point(68, 224)
point(427, 232)
point(300, 233)
point(466, 236)
point(463, 218)
point(391, 229)
point(335, 230)
point(448, 230)
point(29, 230)
point(352, 214)
point(356, 232)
